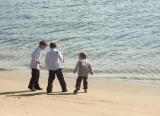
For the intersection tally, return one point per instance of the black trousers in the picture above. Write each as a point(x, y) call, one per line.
point(34, 82)
point(79, 81)
point(60, 77)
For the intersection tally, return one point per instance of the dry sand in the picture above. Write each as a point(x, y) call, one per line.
point(105, 98)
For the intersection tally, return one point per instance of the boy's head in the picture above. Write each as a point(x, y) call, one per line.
point(43, 44)
point(53, 45)
point(82, 55)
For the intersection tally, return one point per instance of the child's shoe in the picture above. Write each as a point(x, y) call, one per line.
point(49, 91)
point(31, 88)
point(76, 91)
point(65, 90)
point(85, 91)
point(38, 88)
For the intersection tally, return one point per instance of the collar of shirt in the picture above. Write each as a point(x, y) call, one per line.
point(53, 49)
point(83, 60)
point(39, 49)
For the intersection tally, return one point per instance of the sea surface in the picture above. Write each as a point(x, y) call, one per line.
point(121, 37)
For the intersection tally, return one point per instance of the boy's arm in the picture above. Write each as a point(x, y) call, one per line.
point(90, 69)
point(47, 59)
point(37, 57)
point(76, 68)
point(61, 56)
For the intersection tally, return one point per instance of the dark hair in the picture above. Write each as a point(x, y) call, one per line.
point(43, 43)
point(53, 45)
point(83, 55)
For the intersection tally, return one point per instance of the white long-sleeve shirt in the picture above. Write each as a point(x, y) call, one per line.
point(35, 58)
point(53, 59)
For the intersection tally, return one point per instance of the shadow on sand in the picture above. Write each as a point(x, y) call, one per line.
point(14, 92)
point(40, 93)
point(28, 93)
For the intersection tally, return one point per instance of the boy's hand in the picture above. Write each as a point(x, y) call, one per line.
point(38, 62)
point(92, 73)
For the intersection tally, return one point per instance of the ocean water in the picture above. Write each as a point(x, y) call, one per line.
point(121, 37)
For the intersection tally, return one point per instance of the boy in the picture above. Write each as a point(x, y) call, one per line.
point(35, 66)
point(53, 59)
point(84, 68)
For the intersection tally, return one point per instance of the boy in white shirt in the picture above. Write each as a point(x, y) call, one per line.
point(53, 59)
point(35, 66)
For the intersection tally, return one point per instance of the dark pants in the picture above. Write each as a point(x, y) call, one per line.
point(60, 77)
point(34, 82)
point(79, 81)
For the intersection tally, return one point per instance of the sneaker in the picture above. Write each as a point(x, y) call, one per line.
point(31, 88)
point(85, 91)
point(76, 91)
point(66, 90)
point(38, 88)
point(49, 91)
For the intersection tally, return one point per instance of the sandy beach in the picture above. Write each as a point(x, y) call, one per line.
point(105, 98)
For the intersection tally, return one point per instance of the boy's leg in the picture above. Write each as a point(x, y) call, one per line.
point(50, 81)
point(61, 80)
point(36, 85)
point(32, 81)
point(78, 83)
point(85, 83)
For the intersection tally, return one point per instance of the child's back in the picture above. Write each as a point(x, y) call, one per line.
point(53, 59)
point(84, 68)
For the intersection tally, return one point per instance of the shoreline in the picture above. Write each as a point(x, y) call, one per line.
point(137, 78)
